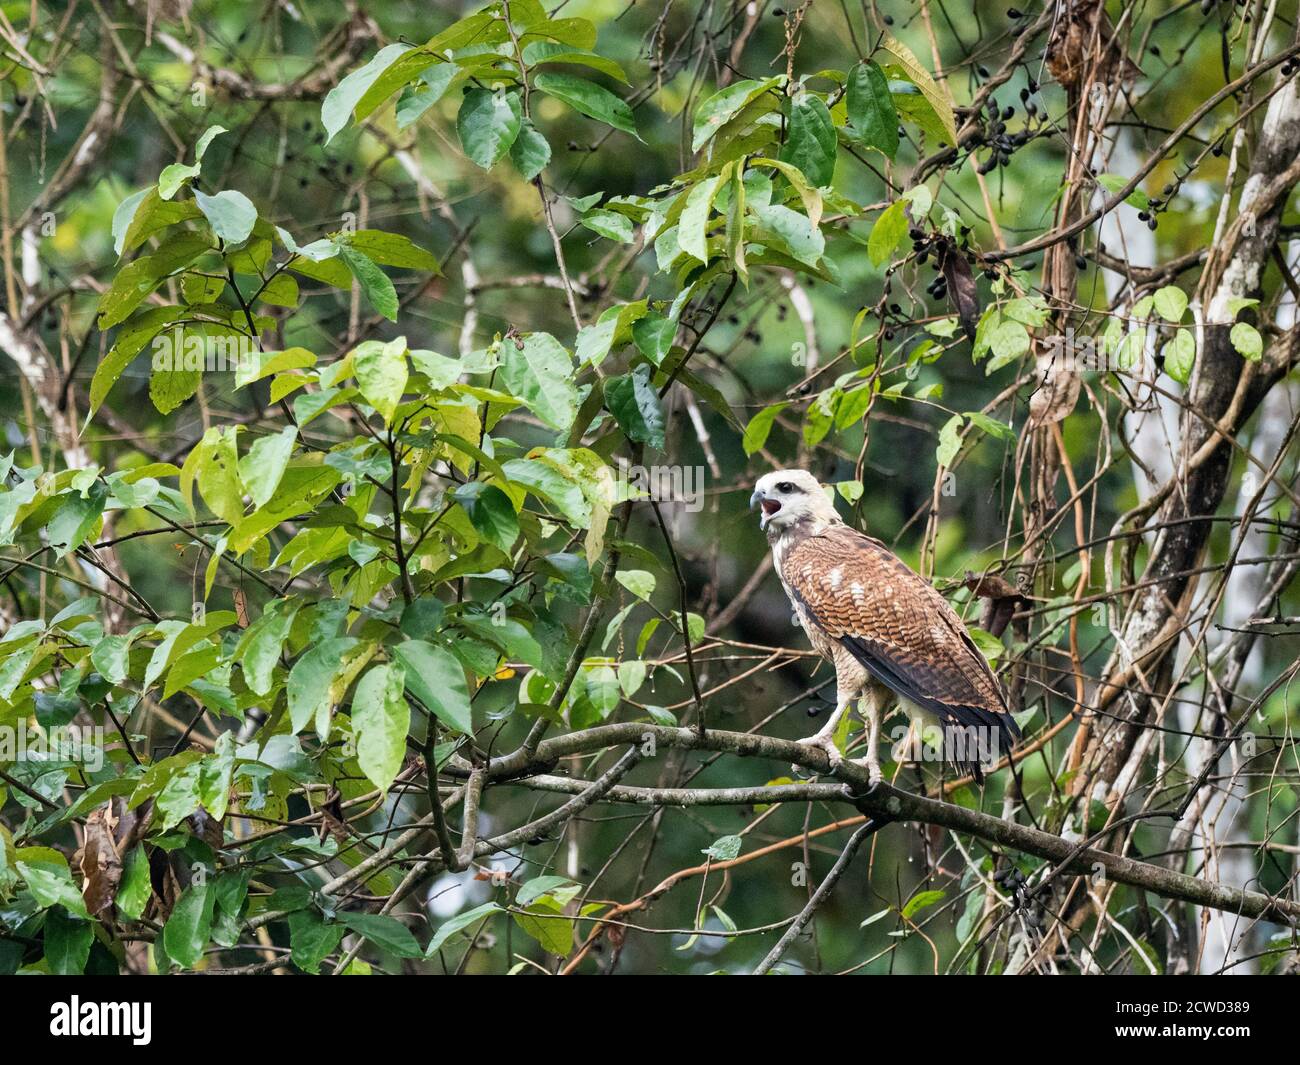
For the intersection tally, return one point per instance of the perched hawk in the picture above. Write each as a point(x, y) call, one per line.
point(887, 631)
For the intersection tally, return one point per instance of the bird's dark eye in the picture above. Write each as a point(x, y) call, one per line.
point(785, 486)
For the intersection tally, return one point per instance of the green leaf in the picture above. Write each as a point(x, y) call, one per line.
point(389, 249)
point(217, 473)
point(544, 920)
point(258, 651)
point(135, 889)
point(261, 469)
point(921, 900)
point(537, 369)
point(387, 933)
point(810, 142)
point(187, 929)
point(67, 943)
point(1246, 339)
point(131, 340)
point(921, 78)
point(634, 401)
point(135, 281)
point(76, 517)
point(381, 719)
point(1112, 183)
point(949, 440)
point(1179, 355)
point(338, 104)
point(609, 224)
point(124, 216)
point(871, 108)
point(488, 124)
point(453, 925)
point(414, 102)
point(230, 214)
point(653, 336)
point(1170, 303)
point(490, 510)
point(723, 106)
point(435, 676)
point(530, 152)
point(887, 233)
point(539, 52)
point(312, 676)
point(374, 282)
point(692, 234)
point(49, 880)
point(793, 231)
point(760, 426)
point(590, 99)
point(311, 940)
point(726, 849)
point(381, 373)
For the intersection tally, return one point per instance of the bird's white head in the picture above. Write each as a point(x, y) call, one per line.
point(791, 496)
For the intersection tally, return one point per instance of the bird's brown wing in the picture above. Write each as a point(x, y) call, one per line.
point(897, 625)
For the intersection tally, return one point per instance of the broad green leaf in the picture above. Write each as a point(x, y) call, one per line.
point(488, 124)
point(922, 79)
point(311, 940)
point(693, 226)
point(258, 651)
point(135, 888)
point(339, 103)
point(810, 139)
point(793, 231)
point(726, 849)
point(609, 224)
point(921, 900)
point(537, 369)
point(461, 921)
point(389, 249)
point(723, 106)
point(381, 374)
point(530, 152)
point(634, 401)
point(381, 720)
point(414, 101)
point(230, 214)
point(887, 233)
point(871, 108)
point(435, 676)
point(313, 675)
point(387, 933)
point(1246, 339)
point(67, 943)
point(590, 99)
point(949, 440)
point(540, 52)
point(490, 510)
point(760, 425)
point(261, 469)
point(187, 930)
point(1170, 303)
point(374, 282)
point(1179, 355)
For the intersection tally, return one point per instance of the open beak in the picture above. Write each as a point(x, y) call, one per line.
point(770, 507)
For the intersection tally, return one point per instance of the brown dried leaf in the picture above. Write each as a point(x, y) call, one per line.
point(961, 287)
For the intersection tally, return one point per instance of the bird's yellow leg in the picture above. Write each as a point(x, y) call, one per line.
point(825, 736)
point(871, 711)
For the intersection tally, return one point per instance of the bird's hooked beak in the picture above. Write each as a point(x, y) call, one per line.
point(770, 506)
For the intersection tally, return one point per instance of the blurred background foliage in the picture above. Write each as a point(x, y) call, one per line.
point(184, 67)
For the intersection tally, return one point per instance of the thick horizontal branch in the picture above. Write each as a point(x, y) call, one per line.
point(885, 802)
